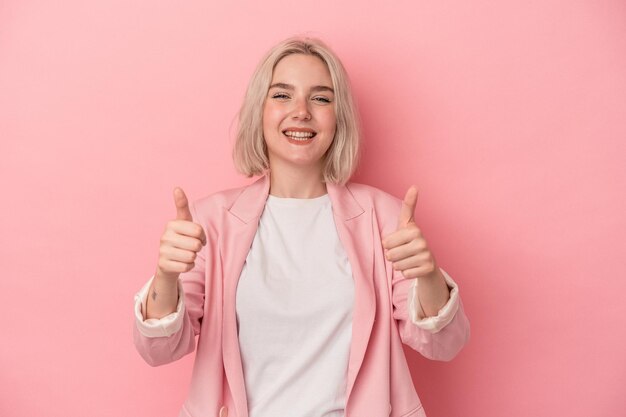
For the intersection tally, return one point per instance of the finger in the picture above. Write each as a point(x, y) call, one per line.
point(401, 237)
point(186, 243)
point(408, 207)
point(423, 271)
point(179, 255)
point(411, 262)
point(405, 251)
point(187, 228)
point(182, 205)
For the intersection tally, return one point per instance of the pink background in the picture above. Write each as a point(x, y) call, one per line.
point(509, 116)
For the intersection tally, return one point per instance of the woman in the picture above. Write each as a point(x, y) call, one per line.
point(302, 286)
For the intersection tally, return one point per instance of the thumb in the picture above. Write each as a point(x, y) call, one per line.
point(182, 205)
point(407, 211)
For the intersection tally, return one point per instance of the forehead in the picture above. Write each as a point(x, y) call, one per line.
point(301, 69)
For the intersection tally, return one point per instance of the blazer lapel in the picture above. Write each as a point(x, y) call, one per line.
point(241, 223)
point(354, 226)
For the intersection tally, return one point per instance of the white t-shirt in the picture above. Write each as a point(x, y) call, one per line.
point(294, 312)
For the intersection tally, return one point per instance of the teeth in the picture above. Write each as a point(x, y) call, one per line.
point(299, 134)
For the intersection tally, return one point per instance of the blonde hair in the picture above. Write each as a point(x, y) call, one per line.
point(250, 151)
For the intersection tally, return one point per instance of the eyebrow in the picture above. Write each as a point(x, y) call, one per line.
point(291, 87)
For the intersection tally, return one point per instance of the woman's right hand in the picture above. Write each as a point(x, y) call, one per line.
point(180, 242)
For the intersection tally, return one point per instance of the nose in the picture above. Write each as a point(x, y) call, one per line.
point(301, 110)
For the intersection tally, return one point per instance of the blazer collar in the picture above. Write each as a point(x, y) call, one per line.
point(251, 202)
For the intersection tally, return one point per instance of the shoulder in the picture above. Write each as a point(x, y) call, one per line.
point(218, 199)
point(374, 197)
point(385, 208)
point(209, 209)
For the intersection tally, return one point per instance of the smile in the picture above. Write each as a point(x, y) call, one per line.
point(299, 138)
point(299, 135)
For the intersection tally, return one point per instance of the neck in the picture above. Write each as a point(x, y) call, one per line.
point(296, 182)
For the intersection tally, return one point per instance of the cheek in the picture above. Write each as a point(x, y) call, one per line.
point(330, 122)
point(271, 117)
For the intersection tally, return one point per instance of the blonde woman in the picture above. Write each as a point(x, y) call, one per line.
point(302, 286)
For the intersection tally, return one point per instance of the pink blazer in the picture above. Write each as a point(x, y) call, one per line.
point(378, 381)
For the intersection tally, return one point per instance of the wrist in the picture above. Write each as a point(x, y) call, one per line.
point(165, 283)
point(432, 278)
point(163, 277)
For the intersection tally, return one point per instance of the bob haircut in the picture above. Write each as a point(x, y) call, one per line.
point(250, 151)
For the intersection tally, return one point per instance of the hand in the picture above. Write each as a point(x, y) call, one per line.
point(180, 242)
point(407, 247)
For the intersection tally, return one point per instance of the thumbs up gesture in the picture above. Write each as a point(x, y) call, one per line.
point(181, 240)
point(407, 247)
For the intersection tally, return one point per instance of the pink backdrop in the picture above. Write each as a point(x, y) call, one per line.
point(509, 116)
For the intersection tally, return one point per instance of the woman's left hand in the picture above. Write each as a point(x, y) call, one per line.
point(406, 247)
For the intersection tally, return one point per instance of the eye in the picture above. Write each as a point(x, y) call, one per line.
point(280, 95)
point(322, 99)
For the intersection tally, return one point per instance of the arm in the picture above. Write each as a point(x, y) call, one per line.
point(434, 293)
point(166, 339)
point(437, 337)
point(426, 302)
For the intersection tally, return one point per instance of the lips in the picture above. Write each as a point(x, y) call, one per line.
point(299, 133)
point(299, 136)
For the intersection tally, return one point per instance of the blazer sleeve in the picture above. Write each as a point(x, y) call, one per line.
point(165, 326)
point(161, 341)
point(444, 315)
point(440, 337)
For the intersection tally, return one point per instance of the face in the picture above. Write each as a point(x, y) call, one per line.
point(299, 112)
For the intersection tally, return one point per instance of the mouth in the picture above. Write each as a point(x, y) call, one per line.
point(300, 136)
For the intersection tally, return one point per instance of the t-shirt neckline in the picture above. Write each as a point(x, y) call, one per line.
point(288, 201)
